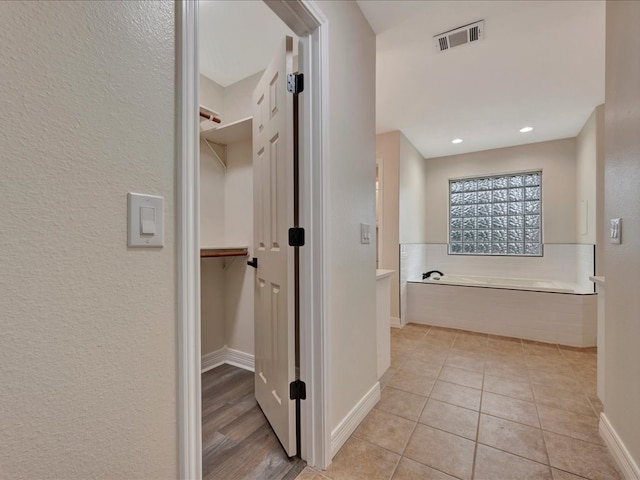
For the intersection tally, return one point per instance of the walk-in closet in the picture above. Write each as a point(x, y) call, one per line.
point(238, 442)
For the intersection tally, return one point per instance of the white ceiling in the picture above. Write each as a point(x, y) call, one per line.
point(237, 38)
point(541, 63)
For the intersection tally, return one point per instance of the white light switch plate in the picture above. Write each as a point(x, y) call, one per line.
point(615, 233)
point(145, 224)
point(365, 233)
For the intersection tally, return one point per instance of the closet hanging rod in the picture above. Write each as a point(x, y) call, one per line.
point(211, 117)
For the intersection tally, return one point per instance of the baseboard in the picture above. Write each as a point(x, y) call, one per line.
point(349, 423)
point(241, 359)
point(396, 322)
point(619, 452)
point(213, 359)
point(227, 355)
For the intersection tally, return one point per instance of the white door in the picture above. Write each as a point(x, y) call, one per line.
point(273, 215)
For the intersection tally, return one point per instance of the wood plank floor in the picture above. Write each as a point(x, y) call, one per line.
point(237, 441)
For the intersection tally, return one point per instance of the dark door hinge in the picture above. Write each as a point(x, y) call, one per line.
point(295, 83)
point(297, 390)
point(253, 262)
point(296, 237)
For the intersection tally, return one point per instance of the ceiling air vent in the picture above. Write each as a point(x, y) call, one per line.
point(459, 36)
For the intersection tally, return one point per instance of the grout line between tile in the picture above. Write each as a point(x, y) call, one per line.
point(393, 472)
point(567, 471)
point(512, 421)
point(475, 447)
point(448, 432)
point(376, 445)
point(518, 455)
point(415, 425)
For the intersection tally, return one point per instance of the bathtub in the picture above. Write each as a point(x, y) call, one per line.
point(508, 283)
point(545, 311)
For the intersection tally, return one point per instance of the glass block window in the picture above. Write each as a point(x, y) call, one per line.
point(496, 215)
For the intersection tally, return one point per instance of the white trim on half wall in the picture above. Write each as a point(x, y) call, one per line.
point(351, 421)
point(619, 452)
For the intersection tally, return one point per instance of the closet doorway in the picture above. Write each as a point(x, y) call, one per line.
point(227, 234)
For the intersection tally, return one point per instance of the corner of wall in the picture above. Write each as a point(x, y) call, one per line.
point(586, 181)
point(388, 151)
point(600, 197)
point(211, 94)
point(413, 200)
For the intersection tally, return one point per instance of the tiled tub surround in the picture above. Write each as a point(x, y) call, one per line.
point(461, 405)
point(565, 263)
point(570, 263)
point(563, 318)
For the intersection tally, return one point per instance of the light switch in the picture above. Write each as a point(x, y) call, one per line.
point(145, 220)
point(615, 233)
point(365, 233)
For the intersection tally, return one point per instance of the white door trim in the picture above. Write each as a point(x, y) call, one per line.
point(307, 21)
point(188, 242)
point(314, 327)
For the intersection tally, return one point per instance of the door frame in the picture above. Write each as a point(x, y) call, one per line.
point(308, 22)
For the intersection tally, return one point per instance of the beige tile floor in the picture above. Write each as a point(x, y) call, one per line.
point(463, 405)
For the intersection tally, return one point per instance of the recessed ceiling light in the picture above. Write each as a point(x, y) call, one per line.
point(456, 140)
point(526, 129)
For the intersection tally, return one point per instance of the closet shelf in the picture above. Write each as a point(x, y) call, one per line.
point(229, 133)
point(214, 252)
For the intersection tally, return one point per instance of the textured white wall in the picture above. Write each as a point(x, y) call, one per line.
point(557, 159)
point(350, 194)
point(212, 302)
point(586, 173)
point(212, 276)
point(413, 195)
point(212, 95)
point(212, 175)
point(622, 199)
point(226, 219)
point(88, 326)
point(240, 279)
point(237, 98)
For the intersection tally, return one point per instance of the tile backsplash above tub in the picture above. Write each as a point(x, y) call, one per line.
point(571, 263)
